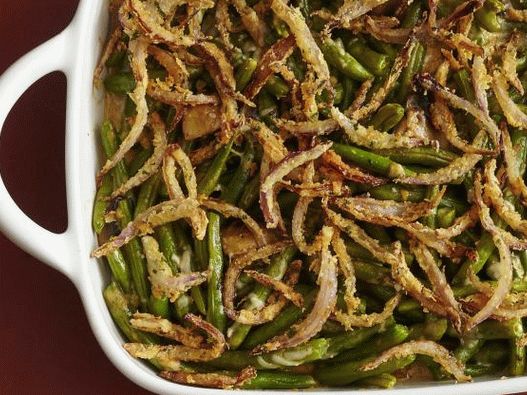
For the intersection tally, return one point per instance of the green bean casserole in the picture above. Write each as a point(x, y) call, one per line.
point(315, 193)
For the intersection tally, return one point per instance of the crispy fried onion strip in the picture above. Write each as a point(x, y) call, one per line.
point(351, 10)
point(318, 127)
point(389, 34)
point(174, 66)
point(111, 44)
point(510, 61)
point(509, 239)
point(222, 74)
point(205, 352)
point(277, 301)
point(237, 265)
point(304, 39)
point(324, 303)
point(284, 289)
point(512, 166)
point(179, 96)
point(369, 137)
point(152, 23)
point(484, 119)
point(438, 239)
point(174, 154)
point(347, 270)
point(454, 170)
point(358, 234)
point(401, 211)
point(504, 208)
point(231, 211)
point(350, 320)
point(152, 164)
point(506, 311)
point(515, 116)
point(147, 221)
point(298, 231)
point(268, 202)
point(272, 144)
point(361, 112)
point(413, 286)
point(424, 347)
point(442, 290)
point(147, 322)
point(251, 21)
point(138, 49)
point(516, 15)
point(442, 117)
point(464, 9)
point(352, 173)
point(276, 54)
point(505, 266)
point(164, 283)
point(211, 380)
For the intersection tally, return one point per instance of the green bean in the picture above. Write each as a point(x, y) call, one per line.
point(369, 160)
point(120, 271)
point(121, 314)
point(267, 107)
point(391, 337)
point(349, 372)
point(375, 62)
point(350, 340)
point(398, 193)
point(101, 204)
point(432, 329)
point(492, 352)
point(160, 307)
point(384, 380)
point(387, 117)
point(312, 350)
point(349, 88)
point(446, 217)
point(370, 273)
point(116, 59)
point(244, 73)
point(517, 353)
point(280, 380)
point(468, 348)
point(382, 47)
point(412, 15)
point(463, 82)
point(148, 194)
point(167, 244)
point(215, 313)
point(378, 232)
point(277, 86)
point(250, 193)
point(337, 56)
point(414, 66)
point(120, 83)
point(494, 330)
point(482, 370)
point(233, 191)
point(285, 319)
point(209, 182)
point(133, 249)
point(139, 160)
point(488, 19)
point(276, 269)
point(425, 156)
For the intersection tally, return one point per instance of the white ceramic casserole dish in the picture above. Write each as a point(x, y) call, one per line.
point(75, 52)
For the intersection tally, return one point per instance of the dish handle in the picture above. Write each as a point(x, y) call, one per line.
point(54, 249)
